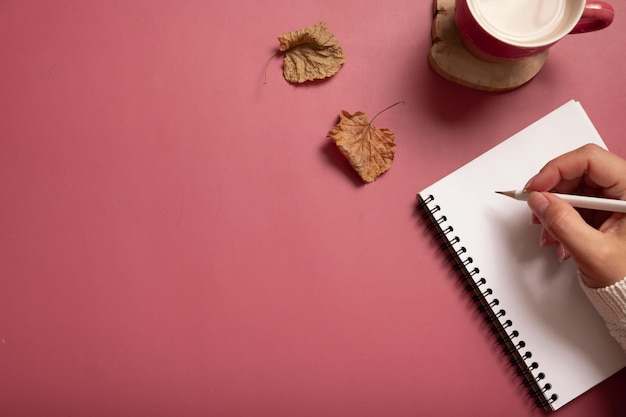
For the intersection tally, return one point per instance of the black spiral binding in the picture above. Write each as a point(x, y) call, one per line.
point(488, 304)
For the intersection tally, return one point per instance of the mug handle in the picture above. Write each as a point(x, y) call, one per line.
point(597, 15)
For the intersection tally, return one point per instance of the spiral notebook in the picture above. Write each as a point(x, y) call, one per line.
point(557, 341)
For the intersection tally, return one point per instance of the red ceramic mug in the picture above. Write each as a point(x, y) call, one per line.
point(498, 30)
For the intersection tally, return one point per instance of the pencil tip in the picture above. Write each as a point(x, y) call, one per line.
point(507, 193)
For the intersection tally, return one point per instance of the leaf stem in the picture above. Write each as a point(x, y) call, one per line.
point(384, 110)
point(267, 65)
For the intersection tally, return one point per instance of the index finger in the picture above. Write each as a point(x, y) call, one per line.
point(588, 167)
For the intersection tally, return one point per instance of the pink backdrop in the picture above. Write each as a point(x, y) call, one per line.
point(178, 238)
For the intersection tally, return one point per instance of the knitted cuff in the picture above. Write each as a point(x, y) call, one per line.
point(609, 301)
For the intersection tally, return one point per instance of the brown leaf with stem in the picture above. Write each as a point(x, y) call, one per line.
point(369, 150)
point(311, 53)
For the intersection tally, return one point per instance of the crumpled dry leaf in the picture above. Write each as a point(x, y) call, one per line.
point(369, 149)
point(311, 53)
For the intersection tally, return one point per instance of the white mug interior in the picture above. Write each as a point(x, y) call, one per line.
point(527, 23)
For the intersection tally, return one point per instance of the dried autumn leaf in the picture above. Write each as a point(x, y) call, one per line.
point(369, 149)
point(311, 53)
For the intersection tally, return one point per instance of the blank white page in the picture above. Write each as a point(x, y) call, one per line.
point(542, 297)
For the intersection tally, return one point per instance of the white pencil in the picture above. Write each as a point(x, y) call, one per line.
point(580, 201)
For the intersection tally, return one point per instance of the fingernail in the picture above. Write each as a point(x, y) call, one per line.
point(543, 239)
point(538, 203)
point(533, 220)
point(561, 253)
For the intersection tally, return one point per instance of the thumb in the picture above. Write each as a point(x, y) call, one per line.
point(563, 223)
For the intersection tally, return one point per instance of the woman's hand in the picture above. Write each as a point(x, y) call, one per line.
point(596, 240)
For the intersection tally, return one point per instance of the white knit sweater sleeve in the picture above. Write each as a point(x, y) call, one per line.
point(611, 304)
